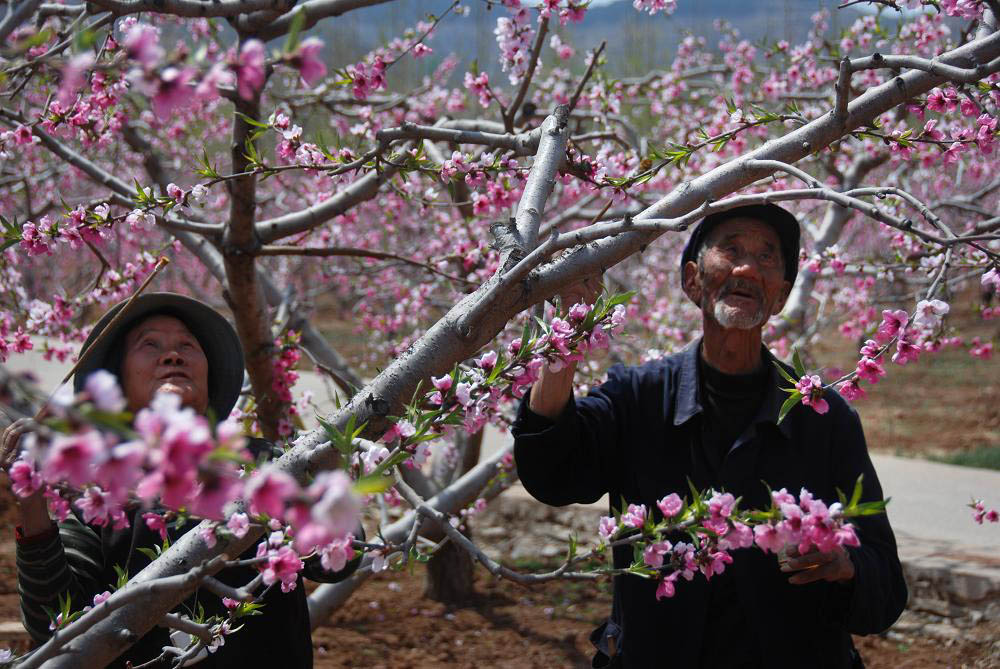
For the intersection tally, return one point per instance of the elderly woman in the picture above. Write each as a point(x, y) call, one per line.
point(165, 343)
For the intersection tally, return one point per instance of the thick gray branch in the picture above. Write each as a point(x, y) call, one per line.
point(314, 11)
point(194, 8)
point(524, 143)
point(965, 75)
point(542, 178)
point(363, 189)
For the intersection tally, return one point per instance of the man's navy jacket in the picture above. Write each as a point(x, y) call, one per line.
point(637, 437)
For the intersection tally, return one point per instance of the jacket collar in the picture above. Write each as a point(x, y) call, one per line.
point(687, 399)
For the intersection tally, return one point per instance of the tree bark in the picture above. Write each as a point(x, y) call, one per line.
point(450, 577)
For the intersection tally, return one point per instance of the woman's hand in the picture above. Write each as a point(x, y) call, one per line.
point(10, 441)
point(34, 516)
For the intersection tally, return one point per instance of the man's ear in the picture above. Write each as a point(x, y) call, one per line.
point(786, 289)
point(691, 282)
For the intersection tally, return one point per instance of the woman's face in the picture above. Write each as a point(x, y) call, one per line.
point(161, 354)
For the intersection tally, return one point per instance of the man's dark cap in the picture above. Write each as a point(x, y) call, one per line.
point(782, 221)
point(217, 337)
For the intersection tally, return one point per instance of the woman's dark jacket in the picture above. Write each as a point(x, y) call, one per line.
point(635, 437)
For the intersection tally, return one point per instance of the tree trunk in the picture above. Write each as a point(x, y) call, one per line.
point(450, 575)
point(450, 571)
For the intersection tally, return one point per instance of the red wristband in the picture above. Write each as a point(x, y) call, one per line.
point(44, 537)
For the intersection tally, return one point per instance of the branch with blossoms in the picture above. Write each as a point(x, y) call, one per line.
point(712, 521)
point(922, 335)
point(472, 395)
point(715, 526)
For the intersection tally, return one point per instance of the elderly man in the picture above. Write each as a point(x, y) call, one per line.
point(165, 343)
point(708, 414)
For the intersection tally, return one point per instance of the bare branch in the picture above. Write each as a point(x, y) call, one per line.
point(542, 178)
point(200, 630)
point(965, 75)
point(521, 143)
point(551, 153)
point(14, 19)
point(491, 565)
point(794, 314)
point(510, 112)
point(314, 11)
point(348, 252)
point(291, 224)
point(586, 76)
point(193, 8)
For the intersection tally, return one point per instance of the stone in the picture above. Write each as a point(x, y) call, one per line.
point(943, 631)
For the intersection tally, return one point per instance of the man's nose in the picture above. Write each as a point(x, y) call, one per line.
point(746, 266)
point(172, 357)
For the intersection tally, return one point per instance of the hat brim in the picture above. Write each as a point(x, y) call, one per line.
point(782, 221)
point(216, 335)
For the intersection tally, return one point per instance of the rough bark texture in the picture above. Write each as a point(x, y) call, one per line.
point(450, 574)
point(246, 295)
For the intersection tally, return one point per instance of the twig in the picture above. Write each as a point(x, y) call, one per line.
point(491, 565)
point(510, 112)
point(343, 251)
point(200, 630)
point(586, 76)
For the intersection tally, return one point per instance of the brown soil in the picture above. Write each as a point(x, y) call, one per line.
point(389, 624)
point(946, 402)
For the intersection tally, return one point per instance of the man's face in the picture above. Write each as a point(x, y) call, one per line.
point(161, 354)
point(739, 280)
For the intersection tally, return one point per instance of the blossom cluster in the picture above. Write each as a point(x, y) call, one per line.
point(981, 513)
point(172, 460)
point(714, 526)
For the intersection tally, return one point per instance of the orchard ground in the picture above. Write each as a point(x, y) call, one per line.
point(943, 407)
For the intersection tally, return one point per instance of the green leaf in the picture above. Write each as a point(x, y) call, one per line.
point(372, 484)
point(800, 369)
point(856, 495)
point(294, 30)
point(251, 121)
point(784, 373)
point(792, 400)
point(7, 244)
point(84, 39)
point(122, 577)
point(620, 298)
point(148, 552)
point(870, 508)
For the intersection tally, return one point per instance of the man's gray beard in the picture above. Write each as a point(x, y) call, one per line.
point(733, 318)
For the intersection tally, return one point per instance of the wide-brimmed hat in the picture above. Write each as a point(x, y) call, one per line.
point(781, 220)
point(217, 337)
